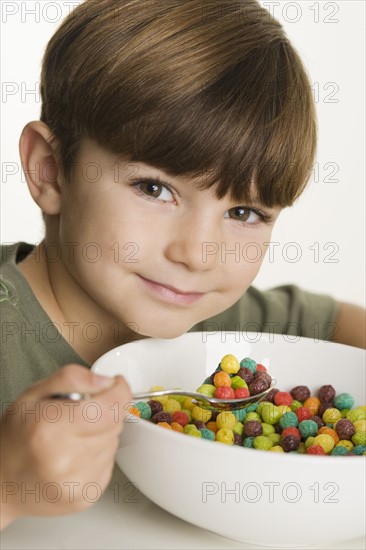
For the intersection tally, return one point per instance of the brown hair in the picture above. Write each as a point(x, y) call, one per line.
point(207, 89)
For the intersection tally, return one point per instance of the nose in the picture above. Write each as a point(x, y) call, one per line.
point(194, 243)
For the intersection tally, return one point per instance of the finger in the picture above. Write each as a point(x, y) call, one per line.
point(69, 379)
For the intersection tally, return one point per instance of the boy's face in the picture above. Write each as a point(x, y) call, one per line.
point(132, 248)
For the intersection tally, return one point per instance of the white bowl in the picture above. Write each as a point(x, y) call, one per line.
point(257, 497)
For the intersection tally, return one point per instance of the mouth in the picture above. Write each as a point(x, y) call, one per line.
point(170, 294)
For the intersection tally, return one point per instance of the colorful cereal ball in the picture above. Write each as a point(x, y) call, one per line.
point(326, 441)
point(249, 364)
point(226, 420)
point(331, 415)
point(288, 419)
point(345, 428)
point(225, 435)
point(283, 398)
point(230, 364)
point(344, 401)
point(300, 393)
point(262, 442)
point(315, 450)
point(308, 428)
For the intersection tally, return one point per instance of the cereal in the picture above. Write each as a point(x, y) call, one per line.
point(292, 421)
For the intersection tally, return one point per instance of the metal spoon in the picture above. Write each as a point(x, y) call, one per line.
point(203, 400)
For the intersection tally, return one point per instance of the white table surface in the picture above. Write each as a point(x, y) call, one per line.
point(115, 523)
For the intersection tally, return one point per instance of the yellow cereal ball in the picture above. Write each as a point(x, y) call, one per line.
point(276, 449)
point(163, 398)
point(203, 415)
point(301, 448)
point(226, 420)
point(171, 406)
point(230, 364)
point(188, 404)
point(360, 426)
point(345, 443)
point(326, 441)
point(283, 409)
point(331, 415)
point(224, 435)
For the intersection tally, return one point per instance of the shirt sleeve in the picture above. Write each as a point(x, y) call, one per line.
point(282, 310)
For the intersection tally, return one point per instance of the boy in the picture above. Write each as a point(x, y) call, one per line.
point(168, 134)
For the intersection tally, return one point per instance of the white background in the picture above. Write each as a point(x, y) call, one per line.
point(327, 223)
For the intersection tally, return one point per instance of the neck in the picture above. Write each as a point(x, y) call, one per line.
point(89, 330)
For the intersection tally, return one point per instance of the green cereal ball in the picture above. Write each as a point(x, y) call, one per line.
point(240, 414)
point(308, 428)
point(344, 412)
point(343, 401)
point(270, 413)
point(295, 405)
point(262, 405)
point(144, 408)
point(275, 438)
point(331, 415)
point(359, 438)
point(171, 405)
point(179, 398)
point(238, 382)
point(191, 429)
point(356, 414)
point(339, 451)
point(249, 364)
point(359, 449)
point(238, 428)
point(248, 442)
point(360, 425)
point(225, 435)
point(207, 434)
point(309, 441)
point(289, 419)
point(188, 413)
point(252, 416)
point(267, 428)
point(262, 442)
point(207, 389)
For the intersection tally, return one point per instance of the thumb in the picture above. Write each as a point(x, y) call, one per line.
point(69, 379)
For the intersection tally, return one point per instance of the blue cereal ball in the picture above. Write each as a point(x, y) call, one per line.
point(252, 407)
point(207, 434)
point(308, 428)
point(288, 420)
point(249, 364)
point(248, 442)
point(343, 401)
point(359, 449)
point(207, 380)
point(339, 451)
point(240, 414)
point(145, 409)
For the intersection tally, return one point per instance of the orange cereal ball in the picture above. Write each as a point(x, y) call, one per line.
point(221, 379)
point(212, 426)
point(135, 411)
point(329, 431)
point(230, 364)
point(165, 425)
point(312, 403)
point(177, 427)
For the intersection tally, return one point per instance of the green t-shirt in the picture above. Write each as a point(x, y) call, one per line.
point(33, 348)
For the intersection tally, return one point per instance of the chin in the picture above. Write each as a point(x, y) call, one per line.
point(164, 332)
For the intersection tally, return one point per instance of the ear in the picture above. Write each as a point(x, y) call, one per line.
point(40, 166)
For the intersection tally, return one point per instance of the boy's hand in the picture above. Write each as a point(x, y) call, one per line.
point(53, 451)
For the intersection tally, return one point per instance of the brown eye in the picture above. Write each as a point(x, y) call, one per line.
point(240, 214)
point(151, 189)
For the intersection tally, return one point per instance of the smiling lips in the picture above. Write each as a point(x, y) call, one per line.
point(168, 293)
